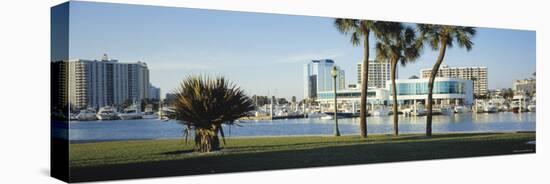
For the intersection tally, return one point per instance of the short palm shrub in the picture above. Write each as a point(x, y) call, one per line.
point(204, 103)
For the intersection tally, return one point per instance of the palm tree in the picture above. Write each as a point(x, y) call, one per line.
point(204, 104)
point(397, 46)
point(360, 31)
point(439, 37)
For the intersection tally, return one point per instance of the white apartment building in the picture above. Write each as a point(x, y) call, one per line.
point(477, 74)
point(97, 83)
point(379, 73)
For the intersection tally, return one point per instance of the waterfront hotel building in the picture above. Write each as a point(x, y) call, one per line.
point(318, 77)
point(450, 91)
point(527, 86)
point(477, 74)
point(98, 83)
point(379, 73)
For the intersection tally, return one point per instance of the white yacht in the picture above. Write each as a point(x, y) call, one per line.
point(380, 111)
point(131, 112)
point(86, 115)
point(416, 110)
point(519, 103)
point(479, 106)
point(532, 105)
point(489, 107)
point(327, 117)
point(503, 107)
point(460, 109)
point(447, 111)
point(107, 113)
point(315, 115)
point(73, 116)
point(149, 113)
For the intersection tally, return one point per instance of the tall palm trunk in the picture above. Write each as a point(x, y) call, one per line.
point(207, 140)
point(394, 92)
point(435, 69)
point(364, 88)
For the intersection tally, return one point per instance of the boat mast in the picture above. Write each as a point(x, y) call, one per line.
point(160, 105)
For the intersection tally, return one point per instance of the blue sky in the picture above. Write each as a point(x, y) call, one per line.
point(262, 53)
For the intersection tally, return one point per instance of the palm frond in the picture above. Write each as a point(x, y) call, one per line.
point(361, 29)
point(399, 45)
point(433, 34)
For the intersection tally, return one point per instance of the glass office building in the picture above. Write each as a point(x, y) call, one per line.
point(318, 77)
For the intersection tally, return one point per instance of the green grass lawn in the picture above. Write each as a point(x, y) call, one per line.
point(134, 159)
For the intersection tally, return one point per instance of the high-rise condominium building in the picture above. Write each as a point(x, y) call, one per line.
point(97, 83)
point(154, 92)
point(477, 74)
point(379, 73)
point(318, 77)
point(59, 86)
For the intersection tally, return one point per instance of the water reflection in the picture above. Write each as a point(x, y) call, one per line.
point(155, 129)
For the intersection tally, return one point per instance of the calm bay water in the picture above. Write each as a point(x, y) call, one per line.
point(156, 129)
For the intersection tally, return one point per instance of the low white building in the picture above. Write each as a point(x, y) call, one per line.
point(409, 91)
point(446, 90)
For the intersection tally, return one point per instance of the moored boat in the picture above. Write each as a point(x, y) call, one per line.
point(149, 113)
point(447, 111)
point(416, 110)
point(519, 103)
point(380, 111)
point(327, 117)
point(107, 113)
point(315, 115)
point(86, 115)
point(460, 109)
point(132, 112)
point(489, 107)
point(532, 105)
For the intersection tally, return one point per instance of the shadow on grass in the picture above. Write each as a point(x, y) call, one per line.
point(379, 139)
point(315, 157)
point(179, 152)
